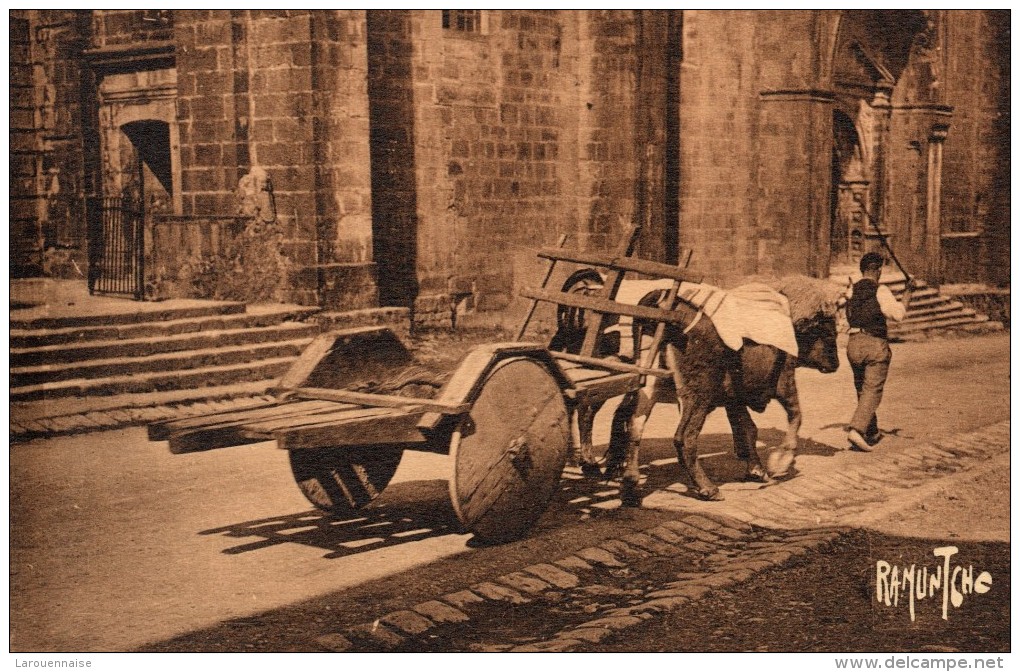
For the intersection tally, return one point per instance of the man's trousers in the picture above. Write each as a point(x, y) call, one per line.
point(869, 358)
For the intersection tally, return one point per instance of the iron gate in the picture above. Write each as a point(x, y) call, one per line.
point(116, 246)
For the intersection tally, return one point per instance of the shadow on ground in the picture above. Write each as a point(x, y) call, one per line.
point(414, 510)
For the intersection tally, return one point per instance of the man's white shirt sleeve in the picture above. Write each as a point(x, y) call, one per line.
point(891, 308)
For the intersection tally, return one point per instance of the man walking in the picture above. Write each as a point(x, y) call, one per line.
point(868, 308)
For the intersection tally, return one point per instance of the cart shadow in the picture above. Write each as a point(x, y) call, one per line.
point(406, 512)
point(411, 511)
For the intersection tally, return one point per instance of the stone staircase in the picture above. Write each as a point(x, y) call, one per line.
point(929, 312)
point(210, 344)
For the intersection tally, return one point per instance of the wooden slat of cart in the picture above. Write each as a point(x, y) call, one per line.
point(342, 413)
point(612, 365)
point(378, 426)
point(579, 374)
point(212, 434)
point(163, 431)
point(603, 305)
point(598, 390)
point(614, 278)
point(383, 400)
point(621, 263)
point(160, 431)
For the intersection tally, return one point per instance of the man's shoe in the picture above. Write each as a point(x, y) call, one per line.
point(857, 441)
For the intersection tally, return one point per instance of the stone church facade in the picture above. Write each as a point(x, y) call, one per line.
point(353, 159)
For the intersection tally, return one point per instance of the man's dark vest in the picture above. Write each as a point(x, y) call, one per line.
point(863, 311)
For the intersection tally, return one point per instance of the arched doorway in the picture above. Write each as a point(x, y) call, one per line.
point(850, 182)
point(140, 178)
point(150, 163)
point(884, 80)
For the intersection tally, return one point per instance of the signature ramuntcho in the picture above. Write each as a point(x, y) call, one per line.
point(953, 582)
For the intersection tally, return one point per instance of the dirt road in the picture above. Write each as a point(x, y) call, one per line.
point(116, 544)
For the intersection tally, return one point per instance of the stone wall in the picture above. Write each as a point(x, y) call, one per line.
point(48, 177)
point(393, 159)
point(26, 246)
point(284, 91)
point(419, 165)
point(534, 125)
point(792, 148)
point(718, 148)
point(975, 193)
point(493, 117)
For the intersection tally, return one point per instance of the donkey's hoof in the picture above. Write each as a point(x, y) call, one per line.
point(591, 470)
point(756, 475)
point(780, 462)
point(712, 495)
point(630, 498)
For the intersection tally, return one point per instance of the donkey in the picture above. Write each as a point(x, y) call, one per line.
point(706, 375)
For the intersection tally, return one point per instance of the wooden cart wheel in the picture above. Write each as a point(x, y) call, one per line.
point(509, 453)
point(340, 480)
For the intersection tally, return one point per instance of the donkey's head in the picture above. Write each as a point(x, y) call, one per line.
point(816, 343)
point(813, 307)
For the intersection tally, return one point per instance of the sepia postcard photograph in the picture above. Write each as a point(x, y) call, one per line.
point(465, 331)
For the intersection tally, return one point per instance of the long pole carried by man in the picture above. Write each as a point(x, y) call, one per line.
point(885, 242)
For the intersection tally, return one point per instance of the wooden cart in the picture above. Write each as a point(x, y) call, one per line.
point(503, 415)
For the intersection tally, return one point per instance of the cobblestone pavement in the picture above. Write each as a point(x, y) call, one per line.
point(618, 583)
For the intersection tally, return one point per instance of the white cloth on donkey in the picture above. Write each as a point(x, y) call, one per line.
point(753, 311)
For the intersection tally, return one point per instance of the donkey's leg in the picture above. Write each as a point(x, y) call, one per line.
point(644, 402)
point(692, 419)
point(745, 440)
point(619, 434)
point(786, 394)
point(781, 460)
point(585, 424)
point(694, 408)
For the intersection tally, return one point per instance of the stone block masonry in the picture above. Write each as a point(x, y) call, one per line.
point(285, 92)
point(411, 156)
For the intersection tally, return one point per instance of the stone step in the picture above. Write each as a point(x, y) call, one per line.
point(267, 369)
point(152, 345)
point(947, 308)
point(148, 313)
point(255, 316)
point(27, 411)
point(179, 362)
point(920, 295)
point(944, 323)
point(931, 302)
point(898, 284)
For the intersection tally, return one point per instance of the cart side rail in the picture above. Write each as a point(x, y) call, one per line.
point(466, 382)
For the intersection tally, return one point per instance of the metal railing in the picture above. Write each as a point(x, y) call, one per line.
point(116, 246)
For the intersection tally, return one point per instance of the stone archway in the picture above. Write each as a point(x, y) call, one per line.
point(139, 141)
point(884, 82)
point(139, 173)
